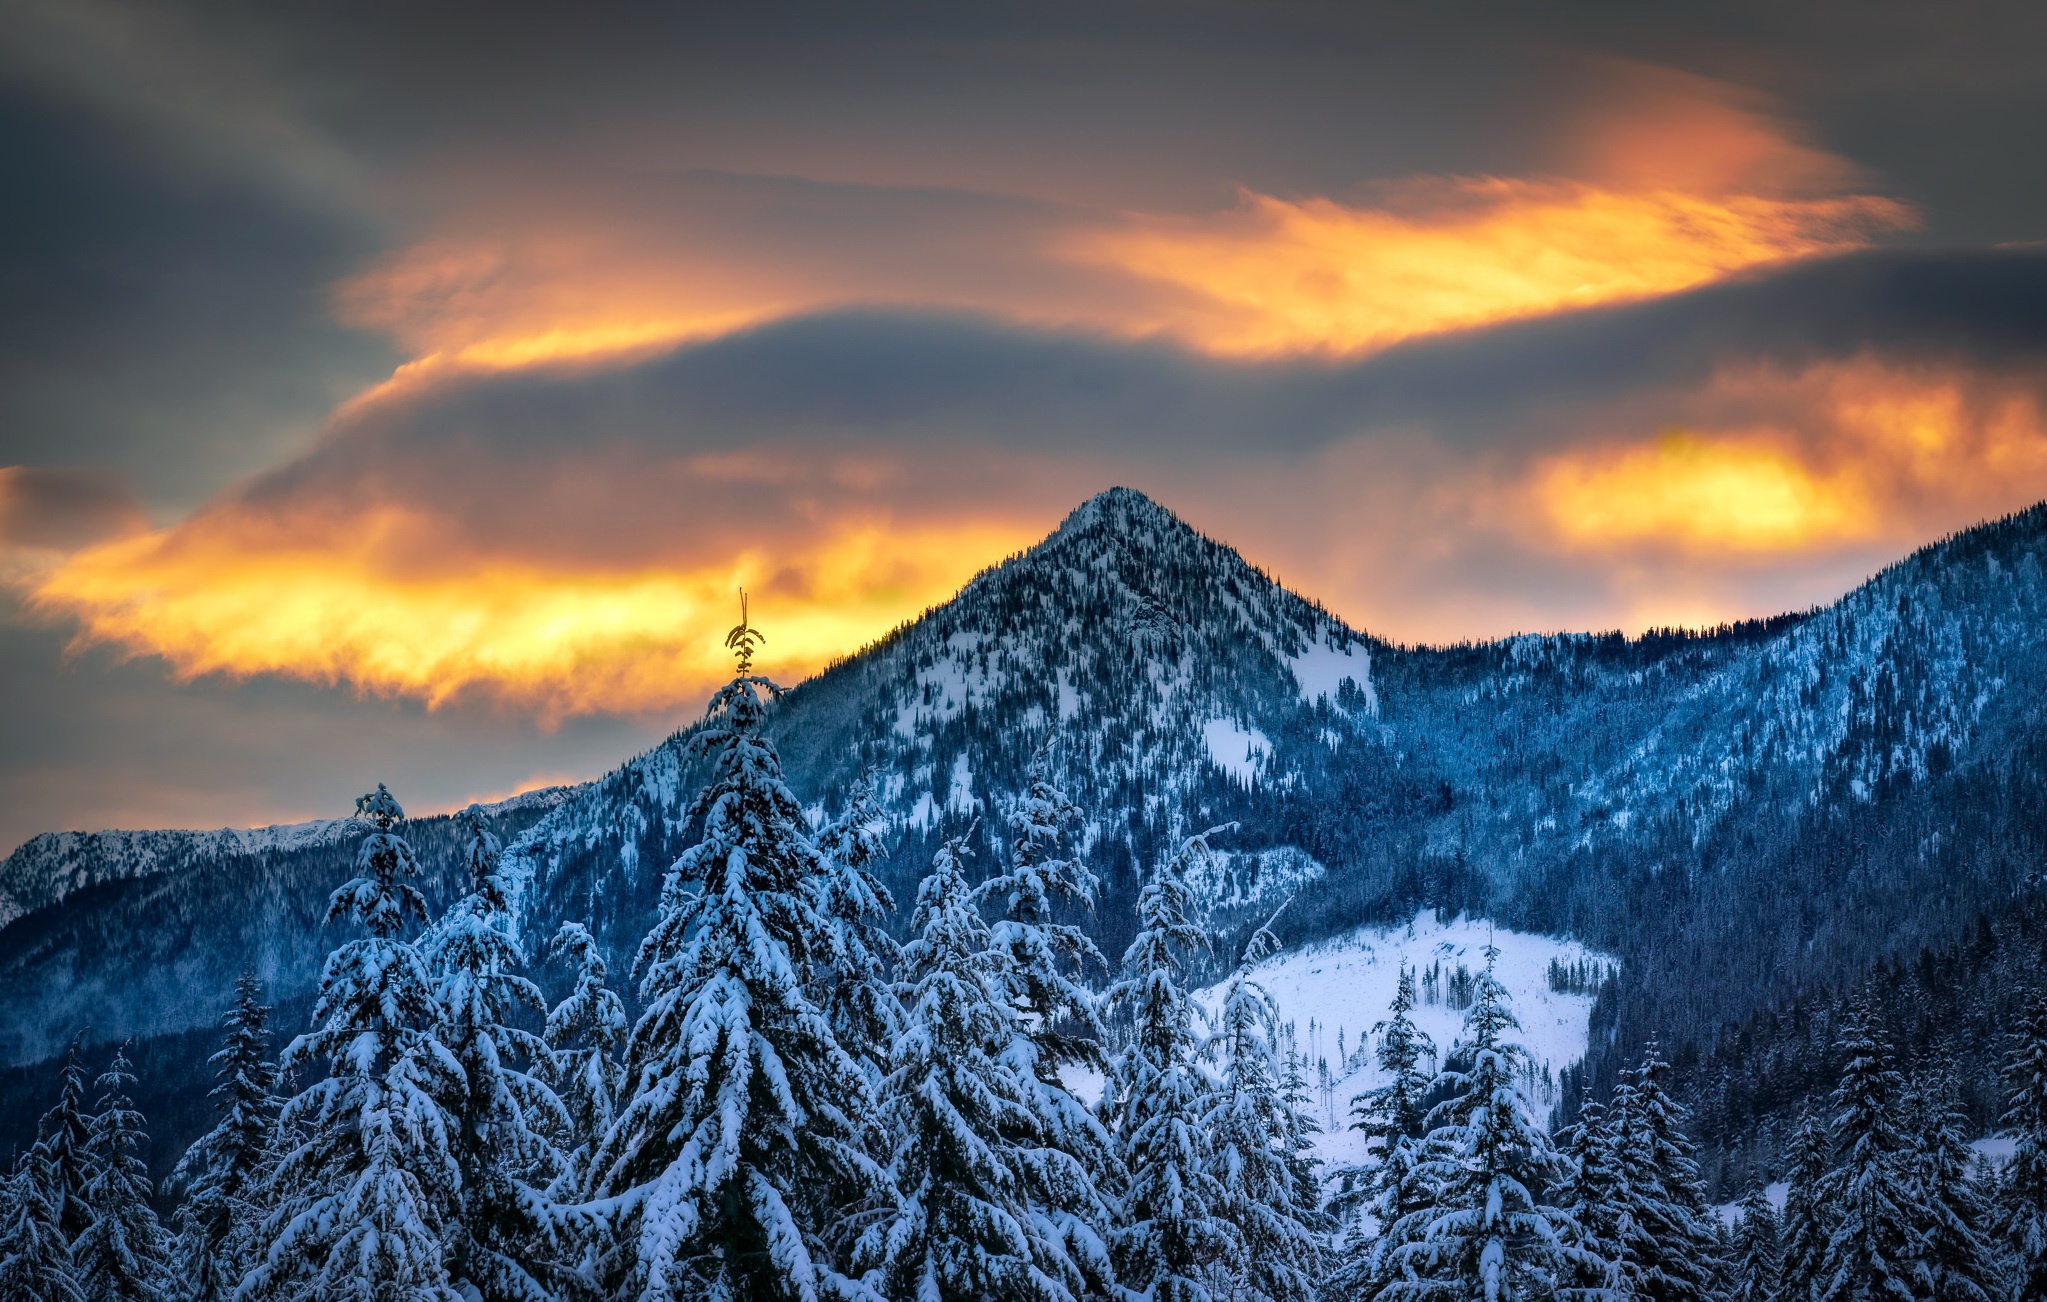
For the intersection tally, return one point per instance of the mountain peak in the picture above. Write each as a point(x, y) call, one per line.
point(1116, 512)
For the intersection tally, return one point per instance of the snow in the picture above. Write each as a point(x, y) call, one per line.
point(960, 798)
point(1236, 750)
point(1998, 1148)
point(1321, 669)
point(1345, 985)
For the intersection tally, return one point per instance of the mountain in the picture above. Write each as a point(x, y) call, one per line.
point(1754, 820)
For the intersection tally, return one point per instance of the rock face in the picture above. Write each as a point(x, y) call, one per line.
point(1737, 816)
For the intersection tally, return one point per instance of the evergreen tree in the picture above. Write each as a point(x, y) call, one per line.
point(1056, 1023)
point(64, 1133)
point(1808, 1221)
point(1670, 1250)
point(1394, 1119)
point(736, 1149)
point(1872, 1255)
point(224, 1170)
point(368, 1183)
point(501, 1240)
point(123, 1256)
point(960, 1225)
point(1757, 1256)
point(584, 1033)
point(1956, 1259)
point(1171, 1234)
point(35, 1260)
point(1595, 1193)
point(2021, 1213)
point(1488, 1233)
point(853, 987)
point(1254, 1136)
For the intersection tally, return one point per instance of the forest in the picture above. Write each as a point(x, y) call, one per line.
point(805, 1106)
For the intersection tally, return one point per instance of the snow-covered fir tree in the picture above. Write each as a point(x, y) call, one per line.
point(736, 1150)
point(1255, 1136)
point(1487, 1233)
point(960, 1224)
point(1670, 1250)
point(584, 1034)
point(1872, 1254)
point(1171, 1233)
point(2021, 1209)
point(853, 987)
point(1376, 1195)
point(63, 1134)
point(124, 1255)
point(223, 1172)
point(35, 1260)
point(1595, 1193)
point(1757, 1259)
point(1808, 1220)
point(1956, 1260)
point(1056, 1023)
point(368, 1185)
point(502, 1238)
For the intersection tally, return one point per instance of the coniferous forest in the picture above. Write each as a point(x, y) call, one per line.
point(804, 1105)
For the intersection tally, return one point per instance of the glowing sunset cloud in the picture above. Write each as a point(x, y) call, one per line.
point(1316, 275)
point(1853, 452)
point(212, 597)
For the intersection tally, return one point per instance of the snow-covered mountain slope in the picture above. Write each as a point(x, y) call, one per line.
point(1738, 815)
point(1334, 995)
point(47, 868)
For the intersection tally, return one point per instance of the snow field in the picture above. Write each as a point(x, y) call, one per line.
point(1337, 991)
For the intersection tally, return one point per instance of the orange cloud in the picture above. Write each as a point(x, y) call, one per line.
point(1809, 459)
point(1315, 275)
point(224, 595)
point(1659, 182)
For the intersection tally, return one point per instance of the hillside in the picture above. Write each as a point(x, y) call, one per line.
point(1743, 818)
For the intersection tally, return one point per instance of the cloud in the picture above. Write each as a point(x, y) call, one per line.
point(565, 540)
point(63, 508)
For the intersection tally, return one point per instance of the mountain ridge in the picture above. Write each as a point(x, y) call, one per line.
point(1742, 816)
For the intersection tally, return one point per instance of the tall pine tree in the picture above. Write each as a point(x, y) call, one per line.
point(737, 1147)
point(1375, 1196)
point(2021, 1214)
point(960, 1225)
point(1056, 1024)
point(1758, 1256)
point(1595, 1193)
point(368, 1185)
point(1171, 1234)
point(63, 1134)
point(1670, 1248)
point(503, 1244)
point(584, 1033)
point(853, 987)
point(1872, 1254)
point(223, 1172)
point(1255, 1135)
point(1957, 1263)
point(124, 1255)
point(1488, 1234)
point(35, 1260)
point(1808, 1221)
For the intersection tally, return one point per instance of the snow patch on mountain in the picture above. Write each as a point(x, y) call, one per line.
point(1335, 994)
point(1237, 750)
point(1322, 668)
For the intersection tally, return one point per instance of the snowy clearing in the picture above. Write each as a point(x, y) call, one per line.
point(1236, 750)
point(1335, 992)
point(1321, 669)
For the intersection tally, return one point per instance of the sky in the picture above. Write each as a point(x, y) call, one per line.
point(401, 392)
